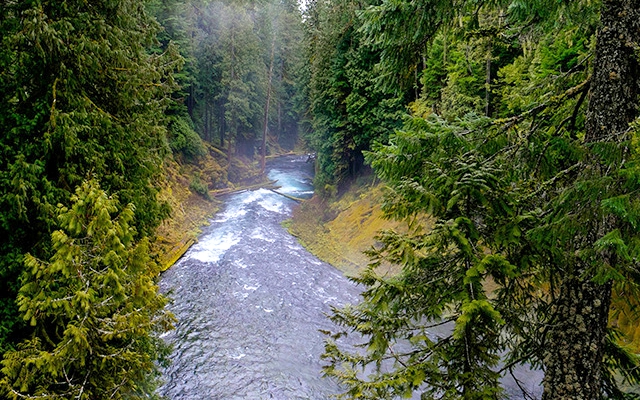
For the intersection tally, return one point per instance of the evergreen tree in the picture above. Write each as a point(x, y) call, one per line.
point(173, 16)
point(601, 249)
point(536, 203)
point(242, 77)
point(434, 172)
point(349, 111)
point(94, 307)
point(228, 53)
point(289, 72)
point(83, 95)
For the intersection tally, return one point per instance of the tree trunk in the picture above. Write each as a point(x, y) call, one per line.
point(613, 102)
point(487, 84)
point(279, 129)
point(222, 122)
point(191, 101)
point(212, 121)
point(576, 337)
point(233, 134)
point(574, 345)
point(205, 122)
point(266, 108)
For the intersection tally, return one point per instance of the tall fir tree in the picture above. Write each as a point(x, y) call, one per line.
point(83, 96)
point(601, 249)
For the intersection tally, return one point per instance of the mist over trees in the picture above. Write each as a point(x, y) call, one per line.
point(230, 49)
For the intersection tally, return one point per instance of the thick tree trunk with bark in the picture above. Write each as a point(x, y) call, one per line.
point(574, 345)
point(576, 337)
point(613, 102)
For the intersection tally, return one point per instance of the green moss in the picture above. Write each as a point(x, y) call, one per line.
point(338, 232)
point(174, 254)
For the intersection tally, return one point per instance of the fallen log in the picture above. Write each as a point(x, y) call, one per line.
point(226, 191)
point(298, 199)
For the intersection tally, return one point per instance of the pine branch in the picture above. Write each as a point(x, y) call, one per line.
point(554, 101)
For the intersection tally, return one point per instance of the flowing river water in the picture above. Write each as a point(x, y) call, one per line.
point(251, 301)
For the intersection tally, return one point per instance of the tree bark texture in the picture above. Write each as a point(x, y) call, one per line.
point(574, 345)
point(263, 149)
point(577, 332)
point(613, 102)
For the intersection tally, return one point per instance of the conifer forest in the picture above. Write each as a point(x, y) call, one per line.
point(505, 137)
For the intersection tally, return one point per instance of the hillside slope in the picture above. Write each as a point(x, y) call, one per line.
point(191, 189)
point(339, 231)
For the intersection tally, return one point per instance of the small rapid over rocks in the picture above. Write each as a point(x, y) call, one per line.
point(250, 302)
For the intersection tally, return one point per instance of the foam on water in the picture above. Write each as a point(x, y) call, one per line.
point(239, 264)
point(241, 295)
point(254, 196)
point(260, 234)
point(272, 205)
point(230, 213)
point(211, 248)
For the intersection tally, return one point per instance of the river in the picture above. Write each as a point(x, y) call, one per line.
point(250, 303)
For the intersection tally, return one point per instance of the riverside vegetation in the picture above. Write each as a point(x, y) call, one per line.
point(120, 123)
point(514, 170)
point(503, 137)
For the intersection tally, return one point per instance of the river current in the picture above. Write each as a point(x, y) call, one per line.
point(251, 301)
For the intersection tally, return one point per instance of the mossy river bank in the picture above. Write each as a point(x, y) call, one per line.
point(250, 302)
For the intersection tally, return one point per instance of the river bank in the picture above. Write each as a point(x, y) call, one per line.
point(193, 190)
point(337, 231)
point(340, 230)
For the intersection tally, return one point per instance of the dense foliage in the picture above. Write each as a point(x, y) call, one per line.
point(96, 98)
point(506, 133)
point(517, 176)
point(93, 306)
point(83, 98)
point(239, 57)
point(348, 110)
